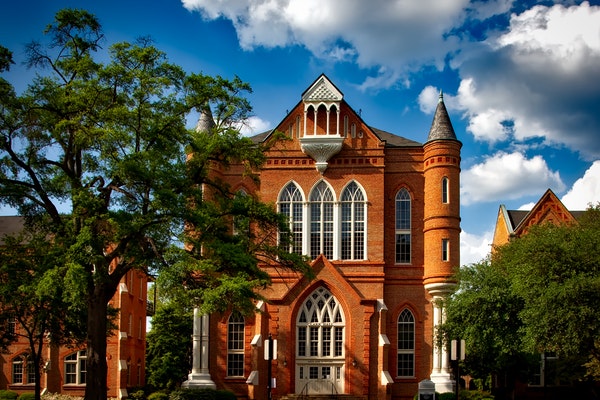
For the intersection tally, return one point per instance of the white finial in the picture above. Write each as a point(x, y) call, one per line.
point(441, 97)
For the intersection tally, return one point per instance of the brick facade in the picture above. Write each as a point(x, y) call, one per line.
point(372, 291)
point(125, 349)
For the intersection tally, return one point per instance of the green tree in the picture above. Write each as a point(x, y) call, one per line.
point(34, 302)
point(537, 294)
point(484, 312)
point(556, 271)
point(168, 357)
point(100, 156)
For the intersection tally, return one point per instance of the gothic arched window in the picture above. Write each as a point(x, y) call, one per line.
point(353, 210)
point(290, 205)
point(403, 225)
point(406, 344)
point(235, 345)
point(321, 221)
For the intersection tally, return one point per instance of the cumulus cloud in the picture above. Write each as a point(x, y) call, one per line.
point(507, 176)
point(585, 191)
point(535, 79)
point(393, 38)
point(474, 248)
point(539, 79)
point(253, 126)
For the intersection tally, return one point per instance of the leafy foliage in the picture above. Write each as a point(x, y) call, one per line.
point(201, 394)
point(538, 293)
point(8, 395)
point(168, 358)
point(98, 156)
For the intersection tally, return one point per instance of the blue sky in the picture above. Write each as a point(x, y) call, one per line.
point(521, 79)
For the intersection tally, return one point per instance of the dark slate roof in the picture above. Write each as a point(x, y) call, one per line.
point(392, 140)
point(517, 216)
point(260, 137)
point(441, 127)
point(10, 225)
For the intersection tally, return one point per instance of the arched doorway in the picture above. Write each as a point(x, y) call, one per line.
point(320, 344)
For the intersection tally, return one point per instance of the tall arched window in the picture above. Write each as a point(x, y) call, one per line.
point(75, 368)
point(406, 344)
point(321, 221)
point(320, 343)
point(23, 370)
point(290, 205)
point(235, 345)
point(320, 326)
point(445, 190)
point(403, 225)
point(353, 223)
point(18, 365)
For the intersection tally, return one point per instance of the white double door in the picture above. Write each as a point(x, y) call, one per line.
point(319, 378)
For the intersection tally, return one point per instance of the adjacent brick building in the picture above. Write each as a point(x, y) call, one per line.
point(64, 367)
point(379, 216)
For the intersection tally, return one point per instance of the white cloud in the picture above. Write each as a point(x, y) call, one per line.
point(562, 35)
point(527, 207)
point(538, 79)
point(474, 248)
point(254, 126)
point(507, 176)
point(398, 36)
point(429, 97)
point(585, 191)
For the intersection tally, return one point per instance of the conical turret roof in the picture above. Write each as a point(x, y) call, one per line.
point(441, 127)
point(205, 122)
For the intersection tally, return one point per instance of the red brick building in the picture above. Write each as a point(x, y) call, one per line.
point(379, 216)
point(65, 370)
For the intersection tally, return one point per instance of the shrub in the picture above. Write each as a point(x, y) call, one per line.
point(193, 394)
point(137, 395)
point(200, 394)
point(58, 396)
point(27, 396)
point(225, 395)
point(475, 395)
point(8, 395)
point(158, 396)
point(445, 396)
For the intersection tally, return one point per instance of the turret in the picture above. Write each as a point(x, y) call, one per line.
point(442, 202)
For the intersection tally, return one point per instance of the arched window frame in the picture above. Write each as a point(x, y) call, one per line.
point(353, 222)
point(320, 327)
point(445, 188)
point(403, 226)
point(75, 368)
point(291, 204)
point(23, 370)
point(235, 344)
point(18, 368)
point(322, 221)
point(406, 344)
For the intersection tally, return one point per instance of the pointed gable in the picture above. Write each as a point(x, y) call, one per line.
point(548, 209)
point(515, 223)
point(322, 90)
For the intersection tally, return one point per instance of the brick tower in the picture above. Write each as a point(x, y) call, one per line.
point(441, 155)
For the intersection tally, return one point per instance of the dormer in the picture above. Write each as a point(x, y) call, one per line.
point(321, 138)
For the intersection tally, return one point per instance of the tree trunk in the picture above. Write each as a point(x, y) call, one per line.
point(97, 369)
